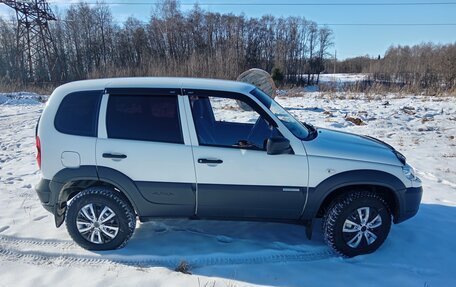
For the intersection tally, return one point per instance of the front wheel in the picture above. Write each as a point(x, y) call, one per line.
point(357, 223)
point(100, 219)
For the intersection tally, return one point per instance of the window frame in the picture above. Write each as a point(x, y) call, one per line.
point(146, 92)
point(97, 113)
point(228, 95)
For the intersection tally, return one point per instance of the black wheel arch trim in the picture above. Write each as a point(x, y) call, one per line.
point(317, 195)
point(60, 192)
point(60, 189)
point(67, 175)
point(125, 184)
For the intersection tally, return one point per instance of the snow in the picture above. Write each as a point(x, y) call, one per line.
point(418, 252)
point(20, 98)
point(342, 78)
point(338, 81)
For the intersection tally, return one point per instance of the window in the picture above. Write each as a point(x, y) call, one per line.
point(221, 121)
point(231, 110)
point(78, 114)
point(297, 128)
point(142, 117)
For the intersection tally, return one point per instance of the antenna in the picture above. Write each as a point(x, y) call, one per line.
point(34, 38)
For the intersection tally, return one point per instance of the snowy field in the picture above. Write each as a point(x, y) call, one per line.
point(418, 252)
point(342, 78)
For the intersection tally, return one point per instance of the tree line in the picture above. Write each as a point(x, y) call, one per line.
point(423, 66)
point(197, 43)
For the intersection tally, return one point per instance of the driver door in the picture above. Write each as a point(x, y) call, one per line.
point(236, 178)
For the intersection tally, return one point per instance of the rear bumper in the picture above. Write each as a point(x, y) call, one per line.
point(411, 199)
point(44, 193)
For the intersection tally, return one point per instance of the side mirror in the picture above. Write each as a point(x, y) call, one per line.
point(278, 145)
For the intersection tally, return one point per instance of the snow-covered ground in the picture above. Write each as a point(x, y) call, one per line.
point(342, 78)
point(418, 252)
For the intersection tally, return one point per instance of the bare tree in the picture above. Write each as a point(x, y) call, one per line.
point(174, 43)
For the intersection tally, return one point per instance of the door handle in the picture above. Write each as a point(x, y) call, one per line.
point(210, 161)
point(116, 156)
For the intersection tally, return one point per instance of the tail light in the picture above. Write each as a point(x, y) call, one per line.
point(38, 151)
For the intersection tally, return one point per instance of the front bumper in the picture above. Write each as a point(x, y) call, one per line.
point(411, 199)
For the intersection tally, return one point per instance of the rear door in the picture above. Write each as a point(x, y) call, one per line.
point(236, 177)
point(141, 136)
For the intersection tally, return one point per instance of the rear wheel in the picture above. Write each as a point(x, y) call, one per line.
point(99, 219)
point(357, 223)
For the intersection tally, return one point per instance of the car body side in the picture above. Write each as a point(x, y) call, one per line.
point(321, 169)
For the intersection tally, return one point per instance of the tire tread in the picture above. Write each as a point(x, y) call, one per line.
point(336, 208)
point(112, 195)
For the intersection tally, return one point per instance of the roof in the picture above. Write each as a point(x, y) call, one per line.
point(155, 82)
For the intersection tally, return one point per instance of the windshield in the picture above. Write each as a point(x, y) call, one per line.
point(296, 127)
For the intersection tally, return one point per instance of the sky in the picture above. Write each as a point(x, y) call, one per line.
point(350, 41)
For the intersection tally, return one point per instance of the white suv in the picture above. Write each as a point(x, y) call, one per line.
point(111, 150)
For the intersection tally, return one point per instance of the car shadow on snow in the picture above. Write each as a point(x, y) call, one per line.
point(202, 243)
point(208, 246)
point(185, 238)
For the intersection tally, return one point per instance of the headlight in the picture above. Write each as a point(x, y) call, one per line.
point(409, 172)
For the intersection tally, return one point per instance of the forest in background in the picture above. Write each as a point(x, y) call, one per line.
point(425, 66)
point(90, 43)
point(197, 43)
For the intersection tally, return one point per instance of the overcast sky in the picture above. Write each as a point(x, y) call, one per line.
point(349, 41)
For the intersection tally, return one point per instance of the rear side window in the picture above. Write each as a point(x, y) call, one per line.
point(144, 117)
point(78, 113)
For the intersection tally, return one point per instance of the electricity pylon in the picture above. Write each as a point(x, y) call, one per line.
point(36, 49)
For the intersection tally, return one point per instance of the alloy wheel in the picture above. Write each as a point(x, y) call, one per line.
point(97, 223)
point(360, 228)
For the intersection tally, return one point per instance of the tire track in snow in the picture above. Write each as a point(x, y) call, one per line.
point(15, 249)
point(269, 257)
point(32, 112)
point(6, 240)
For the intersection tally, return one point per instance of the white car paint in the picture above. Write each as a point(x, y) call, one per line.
point(330, 153)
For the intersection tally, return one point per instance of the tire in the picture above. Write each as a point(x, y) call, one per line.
point(111, 227)
point(372, 222)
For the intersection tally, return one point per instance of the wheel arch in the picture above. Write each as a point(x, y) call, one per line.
point(72, 188)
point(70, 181)
point(386, 184)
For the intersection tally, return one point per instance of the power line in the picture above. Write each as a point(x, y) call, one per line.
point(294, 4)
point(319, 24)
point(267, 4)
point(388, 24)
